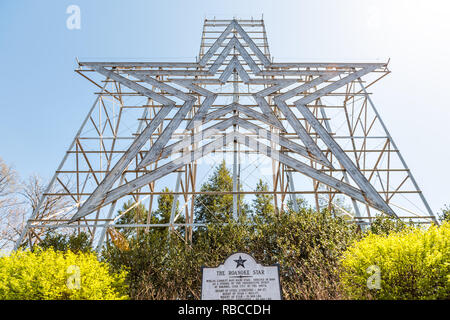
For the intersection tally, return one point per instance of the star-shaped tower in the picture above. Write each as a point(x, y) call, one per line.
point(156, 124)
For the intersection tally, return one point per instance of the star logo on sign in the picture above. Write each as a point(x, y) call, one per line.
point(240, 262)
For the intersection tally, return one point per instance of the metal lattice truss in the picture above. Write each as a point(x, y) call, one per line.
point(151, 122)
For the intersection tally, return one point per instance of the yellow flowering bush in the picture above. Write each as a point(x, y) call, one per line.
point(55, 275)
point(411, 264)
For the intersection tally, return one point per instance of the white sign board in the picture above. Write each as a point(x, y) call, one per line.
point(240, 277)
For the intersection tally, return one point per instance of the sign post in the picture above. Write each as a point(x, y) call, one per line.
point(240, 277)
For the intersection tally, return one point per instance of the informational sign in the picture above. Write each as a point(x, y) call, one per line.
point(240, 277)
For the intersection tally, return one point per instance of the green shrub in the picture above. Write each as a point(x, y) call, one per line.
point(76, 242)
point(384, 225)
point(445, 214)
point(306, 244)
point(413, 264)
point(52, 275)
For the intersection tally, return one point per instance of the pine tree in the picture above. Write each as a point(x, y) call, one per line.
point(216, 208)
point(139, 214)
point(262, 204)
point(301, 203)
point(164, 210)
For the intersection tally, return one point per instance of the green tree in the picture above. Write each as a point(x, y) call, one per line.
point(338, 206)
point(445, 214)
point(130, 214)
point(216, 208)
point(164, 210)
point(262, 204)
point(302, 204)
point(138, 214)
point(385, 225)
point(75, 242)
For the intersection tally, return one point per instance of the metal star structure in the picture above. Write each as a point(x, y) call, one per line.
point(154, 121)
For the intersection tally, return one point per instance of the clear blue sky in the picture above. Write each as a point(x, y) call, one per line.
point(43, 101)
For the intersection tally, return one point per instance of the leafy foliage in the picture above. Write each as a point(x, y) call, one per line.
point(414, 264)
point(384, 225)
point(306, 244)
point(132, 213)
point(301, 204)
point(52, 275)
point(217, 208)
point(337, 205)
point(76, 242)
point(158, 266)
point(262, 204)
point(445, 214)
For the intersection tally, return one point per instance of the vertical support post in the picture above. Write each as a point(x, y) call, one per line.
point(174, 202)
point(107, 223)
point(292, 189)
point(235, 153)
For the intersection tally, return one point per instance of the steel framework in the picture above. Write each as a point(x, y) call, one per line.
point(306, 129)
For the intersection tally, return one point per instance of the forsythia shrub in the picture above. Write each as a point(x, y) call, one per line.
point(413, 263)
point(52, 275)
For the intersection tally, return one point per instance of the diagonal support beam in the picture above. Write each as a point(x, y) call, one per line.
point(309, 171)
point(264, 105)
point(279, 85)
point(234, 25)
point(234, 43)
point(251, 44)
point(161, 85)
point(257, 115)
point(165, 136)
point(263, 133)
point(209, 100)
point(134, 86)
point(280, 101)
point(92, 202)
point(208, 55)
point(162, 140)
point(337, 151)
point(109, 180)
point(331, 87)
point(309, 85)
point(164, 170)
point(301, 132)
point(265, 108)
point(234, 65)
point(198, 137)
point(346, 162)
